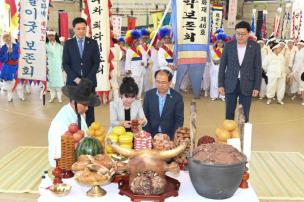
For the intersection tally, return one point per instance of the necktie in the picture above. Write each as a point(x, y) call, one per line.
point(80, 46)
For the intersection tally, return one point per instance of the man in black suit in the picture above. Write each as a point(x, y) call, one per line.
point(81, 59)
point(163, 106)
point(240, 71)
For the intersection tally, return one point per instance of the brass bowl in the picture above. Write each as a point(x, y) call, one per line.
point(96, 190)
point(60, 189)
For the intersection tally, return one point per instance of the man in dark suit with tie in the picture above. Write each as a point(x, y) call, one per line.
point(240, 71)
point(163, 106)
point(81, 59)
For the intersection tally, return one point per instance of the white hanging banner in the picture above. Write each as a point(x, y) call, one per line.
point(296, 24)
point(100, 25)
point(191, 27)
point(217, 18)
point(116, 22)
point(33, 25)
point(232, 13)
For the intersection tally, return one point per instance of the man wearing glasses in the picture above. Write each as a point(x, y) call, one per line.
point(240, 71)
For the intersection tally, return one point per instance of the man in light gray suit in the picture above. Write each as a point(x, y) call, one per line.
point(240, 71)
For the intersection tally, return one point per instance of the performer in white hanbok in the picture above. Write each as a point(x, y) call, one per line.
point(216, 53)
point(144, 48)
point(274, 65)
point(115, 73)
point(264, 53)
point(135, 65)
point(154, 55)
point(122, 46)
point(54, 52)
point(290, 53)
point(165, 53)
point(297, 71)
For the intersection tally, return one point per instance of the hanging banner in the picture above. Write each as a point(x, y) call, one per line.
point(263, 28)
point(232, 13)
point(33, 25)
point(64, 24)
point(117, 23)
point(100, 25)
point(190, 21)
point(277, 23)
point(131, 22)
point(286, 23)
point(296, 24)
point(156, 18)
point(217, 18)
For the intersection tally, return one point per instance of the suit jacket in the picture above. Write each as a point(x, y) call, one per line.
point(250, 69)
point(117, 112)
point(172, 116)
point(81, 67)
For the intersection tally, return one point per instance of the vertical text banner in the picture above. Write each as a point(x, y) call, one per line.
point(33, 25)
point(117, 22)
point(100, 25)
point(190, 20)
point(217, 18)
point(232, 13)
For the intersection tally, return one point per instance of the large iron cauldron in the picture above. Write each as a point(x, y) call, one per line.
point(216, 181)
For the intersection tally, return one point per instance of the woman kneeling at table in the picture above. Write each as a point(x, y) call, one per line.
point(126, 109)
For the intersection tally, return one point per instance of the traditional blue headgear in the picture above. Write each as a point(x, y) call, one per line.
point(164, 32)
point(121, 39)
point(144, 32)
point(221, 36)
point(135, 34)
point(220, 30)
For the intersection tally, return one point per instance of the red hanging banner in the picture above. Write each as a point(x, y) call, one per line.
point(131, 22)
point(64, 24)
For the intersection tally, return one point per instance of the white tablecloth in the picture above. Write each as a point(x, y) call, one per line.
point(186, 193)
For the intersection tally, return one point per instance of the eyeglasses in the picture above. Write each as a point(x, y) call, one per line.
point(241, 34)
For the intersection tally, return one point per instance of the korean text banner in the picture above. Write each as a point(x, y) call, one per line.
point(232, 13)
point(117, 23)
point(190, 21)
point(100, 25)
point(33, 25)
point(217, 18)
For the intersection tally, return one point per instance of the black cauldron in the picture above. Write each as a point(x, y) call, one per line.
point(216, 181)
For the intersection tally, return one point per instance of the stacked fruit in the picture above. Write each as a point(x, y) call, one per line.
point(120, 136)
point(126, 140)
point(229, 130)
point(74, 131)
point(97, 131)
point(142, 140)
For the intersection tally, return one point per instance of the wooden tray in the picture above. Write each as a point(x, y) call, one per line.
point(171, 189)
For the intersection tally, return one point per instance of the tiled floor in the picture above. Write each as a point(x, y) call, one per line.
point(275, 127)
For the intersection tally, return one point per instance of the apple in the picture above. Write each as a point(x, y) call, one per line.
point(73, 128)
point(78, 136)
point(67, 133)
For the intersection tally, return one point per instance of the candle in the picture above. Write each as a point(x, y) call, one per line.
point(247, 140)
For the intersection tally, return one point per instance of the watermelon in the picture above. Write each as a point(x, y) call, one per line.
point(89, 146)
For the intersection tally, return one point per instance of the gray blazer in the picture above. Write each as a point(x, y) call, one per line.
point(117, 112)
point(250, 69)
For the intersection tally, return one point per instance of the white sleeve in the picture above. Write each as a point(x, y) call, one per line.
point(128, 60)
point(265, 62)
point(161, 58)
point(144, 56)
